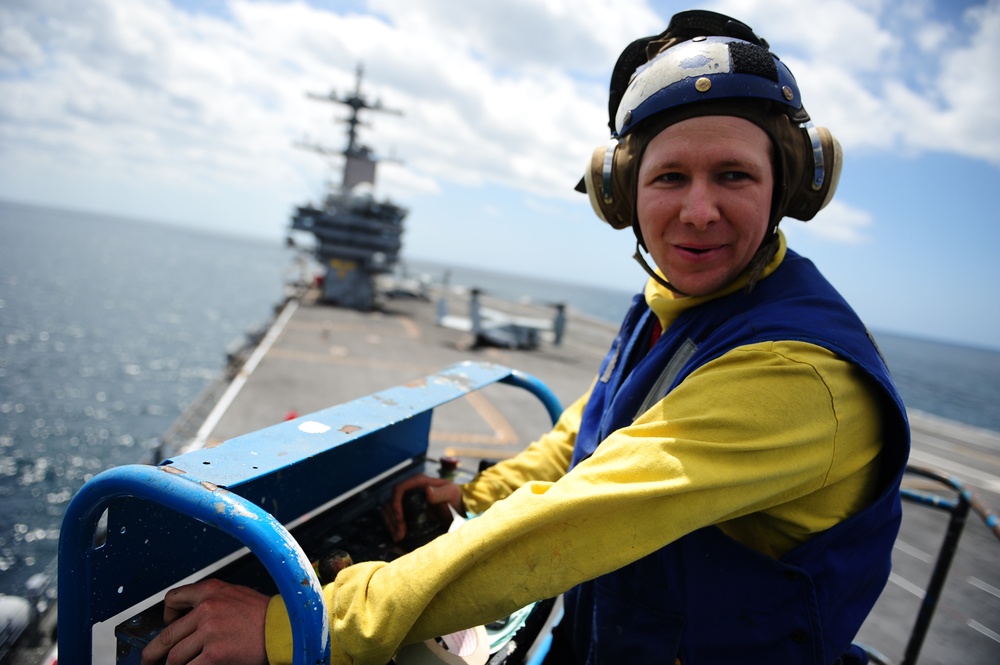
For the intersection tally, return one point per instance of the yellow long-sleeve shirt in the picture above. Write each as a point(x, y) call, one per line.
point(772, 442)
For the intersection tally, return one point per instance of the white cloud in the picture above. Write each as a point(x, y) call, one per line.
point(931, 37)
point(890, 75)
point(833, 31)
point(964, 119)
point(152, 92)
point(534, 34)
point(510, 94)
point(841, 223)
point(18, 49)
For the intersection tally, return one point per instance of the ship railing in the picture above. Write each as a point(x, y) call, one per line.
point(959, 507)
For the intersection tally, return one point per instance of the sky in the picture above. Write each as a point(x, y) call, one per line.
point(186, 111)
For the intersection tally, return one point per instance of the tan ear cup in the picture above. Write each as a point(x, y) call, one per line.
point(831, 146)
point(822, 160)
point(607, 184)
point(593, 179)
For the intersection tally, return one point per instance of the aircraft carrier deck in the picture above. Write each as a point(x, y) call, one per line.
point(315, 356)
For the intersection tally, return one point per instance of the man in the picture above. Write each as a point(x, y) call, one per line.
point(727, 490)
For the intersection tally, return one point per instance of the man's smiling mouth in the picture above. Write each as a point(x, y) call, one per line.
point(698, 250)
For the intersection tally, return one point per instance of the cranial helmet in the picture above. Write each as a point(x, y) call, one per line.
point(709, 64)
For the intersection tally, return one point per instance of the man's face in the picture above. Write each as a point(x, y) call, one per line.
point(704, 199)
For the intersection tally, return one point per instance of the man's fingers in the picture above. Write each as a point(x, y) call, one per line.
point(173, 609)
point(181, 600)
point(398, 528)
point(440, 493)
point(172, 638)
point(419, 480)
point(218, 623)
point(443, 494)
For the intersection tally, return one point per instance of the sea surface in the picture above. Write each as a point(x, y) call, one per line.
point(110, 327)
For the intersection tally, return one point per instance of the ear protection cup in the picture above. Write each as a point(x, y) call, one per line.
point(820, 175)
point(735, 78)
point(607, 196)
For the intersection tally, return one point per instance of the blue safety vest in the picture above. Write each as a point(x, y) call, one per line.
point(706, 598)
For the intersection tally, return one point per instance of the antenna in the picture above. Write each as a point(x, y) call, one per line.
point(360, 160)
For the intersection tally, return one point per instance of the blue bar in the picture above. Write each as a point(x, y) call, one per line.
point(538, 389)
point(241, 519)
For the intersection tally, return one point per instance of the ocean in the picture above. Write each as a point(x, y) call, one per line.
point(110, 327)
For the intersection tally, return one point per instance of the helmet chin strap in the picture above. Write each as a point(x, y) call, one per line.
point(652, 273)
point(756, 267)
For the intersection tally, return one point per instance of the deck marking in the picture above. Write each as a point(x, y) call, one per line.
point(330, 327)
point(241, 378)
point(972, 476)
point(975, 625)
point(979, 584)
point(465, 437)
point(913, 551)
point(332, 359)
point(953, 432)
point(480, 453)
point(503, 434)
point(943, 441)
point(410, 327)
point(907, 585)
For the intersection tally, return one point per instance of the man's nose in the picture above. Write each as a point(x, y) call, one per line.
point(700, 207)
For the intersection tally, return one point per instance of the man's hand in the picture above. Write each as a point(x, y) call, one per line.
point(440, 494)
point(211, 622)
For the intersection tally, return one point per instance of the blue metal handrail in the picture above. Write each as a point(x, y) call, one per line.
point(538, 389)
point(254, 528)
point(958, 509)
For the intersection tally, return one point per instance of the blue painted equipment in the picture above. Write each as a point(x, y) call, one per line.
point(290, 474)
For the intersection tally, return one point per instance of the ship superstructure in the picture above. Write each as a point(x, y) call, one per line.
point(358, 237)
